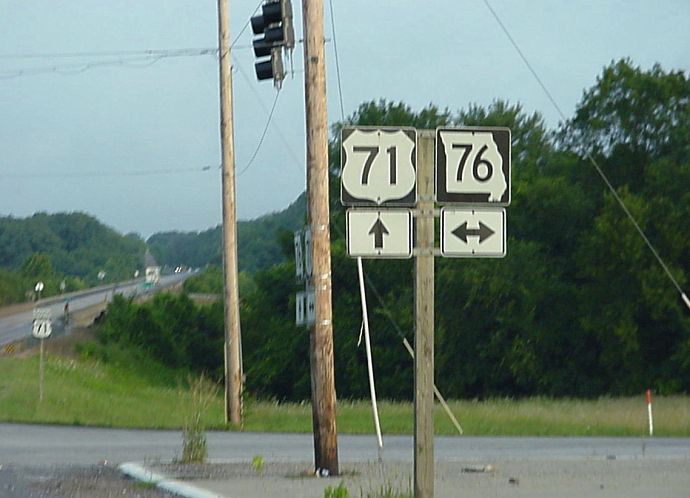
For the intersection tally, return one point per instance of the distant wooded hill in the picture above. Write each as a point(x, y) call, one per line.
point(73, 247)
point(262, 242)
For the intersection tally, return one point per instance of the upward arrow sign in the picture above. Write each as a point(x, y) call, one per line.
point(483, 232)
point(378, 230)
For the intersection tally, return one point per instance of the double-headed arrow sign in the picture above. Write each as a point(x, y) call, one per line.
point(462, 232)
point(473, 233)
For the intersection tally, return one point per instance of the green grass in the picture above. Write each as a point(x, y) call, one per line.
point(89, 393)
point(134, 392)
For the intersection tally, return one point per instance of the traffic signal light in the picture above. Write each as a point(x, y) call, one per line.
point(275, 25)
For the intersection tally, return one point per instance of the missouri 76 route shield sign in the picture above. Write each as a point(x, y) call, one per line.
point(378, 166)
point(473, 166)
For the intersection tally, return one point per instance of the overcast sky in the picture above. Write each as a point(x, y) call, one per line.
point(136, 142)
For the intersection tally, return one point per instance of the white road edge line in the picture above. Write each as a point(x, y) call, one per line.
point(141, 473)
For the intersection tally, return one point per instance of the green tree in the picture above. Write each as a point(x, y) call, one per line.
point(38, 265)
point(635, 124)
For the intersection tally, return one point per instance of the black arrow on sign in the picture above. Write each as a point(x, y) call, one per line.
point(378, 230)
point(462, 232)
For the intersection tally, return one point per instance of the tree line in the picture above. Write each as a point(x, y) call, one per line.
point(257, 244)
point(580, 306)
point(65, 247)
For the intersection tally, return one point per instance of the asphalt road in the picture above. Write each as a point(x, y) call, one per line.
point(46, 445)
point(18, 326)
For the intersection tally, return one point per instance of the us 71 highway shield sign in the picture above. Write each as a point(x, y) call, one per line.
point(379, 166)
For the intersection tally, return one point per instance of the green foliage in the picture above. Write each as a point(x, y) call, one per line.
point(170, 329)
point(258, 244)
point(38, 266)
point(339, 491)
point(133, 391)
point(209, 281)
point(275, 351)
point(72, 247)
point(388, 491)
point(579, 306)
point(258, 464)
point(201, 394)
point(646, 112)
point(12, 287)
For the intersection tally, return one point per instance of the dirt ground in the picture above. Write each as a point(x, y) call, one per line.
point(97, 481)
point(600, 478)
point(604, 478)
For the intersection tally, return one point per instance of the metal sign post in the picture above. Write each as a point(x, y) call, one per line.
point(41, 329)
point(40, 374)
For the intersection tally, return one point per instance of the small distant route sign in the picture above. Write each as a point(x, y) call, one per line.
point(299, 256)
point(379, 166)
point(41, 327)
point(473, 166)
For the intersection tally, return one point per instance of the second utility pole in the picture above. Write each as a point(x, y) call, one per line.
point(321, 334)
point(233, 361)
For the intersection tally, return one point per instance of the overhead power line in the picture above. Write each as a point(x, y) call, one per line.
point(252, 87)
point(134, 62)
point(337, 61)
point(107, 53)
point(590, 157)
point(263, 135)
point(109, 173)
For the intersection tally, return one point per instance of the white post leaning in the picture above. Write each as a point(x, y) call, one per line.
point(370, 366)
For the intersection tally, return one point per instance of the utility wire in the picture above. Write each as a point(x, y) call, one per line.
point(137, 62)
point(99, 174)
point(263, 135)
point(119, 53)
point(590, 157)
point(337, 62)
point(252, 86)
point(136, 55)
point(244, 28)
point(112, 53)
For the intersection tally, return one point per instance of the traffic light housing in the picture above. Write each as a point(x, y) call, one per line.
point(274, 26)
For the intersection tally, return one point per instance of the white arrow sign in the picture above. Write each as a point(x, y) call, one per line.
point(300, 308)
point(473, 233)
point(379, 233)
point(378, 166)
point(311, 306)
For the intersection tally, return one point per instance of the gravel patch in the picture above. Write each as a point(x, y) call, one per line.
point(601, 477)
point(95, 481)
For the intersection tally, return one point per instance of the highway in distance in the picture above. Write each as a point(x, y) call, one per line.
point(18, 326)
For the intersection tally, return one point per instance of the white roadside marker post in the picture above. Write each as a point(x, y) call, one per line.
point(649, 412)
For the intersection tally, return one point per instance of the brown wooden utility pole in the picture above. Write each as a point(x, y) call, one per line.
point(233, 373)
point(321, 334)
point(424, 320)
